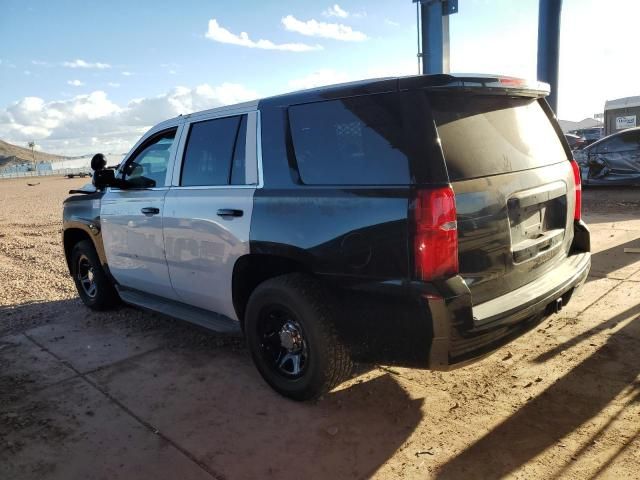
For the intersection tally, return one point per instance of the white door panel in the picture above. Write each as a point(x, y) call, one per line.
point(133, 240)
point(202, 246)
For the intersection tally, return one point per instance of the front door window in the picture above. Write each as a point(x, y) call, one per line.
point(148, 167)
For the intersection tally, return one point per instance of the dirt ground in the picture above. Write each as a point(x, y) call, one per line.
point(129, 394)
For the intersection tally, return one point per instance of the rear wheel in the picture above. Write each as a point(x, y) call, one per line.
point(93, 285)
point(289, 325)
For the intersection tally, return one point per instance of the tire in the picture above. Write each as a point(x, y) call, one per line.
point(95, 290)
point(292, 315)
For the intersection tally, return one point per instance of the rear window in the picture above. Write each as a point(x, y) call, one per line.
point(489, 135)
point(352, 141)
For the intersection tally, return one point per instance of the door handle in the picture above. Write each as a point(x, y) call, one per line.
point(150, 210)
point(230, 212)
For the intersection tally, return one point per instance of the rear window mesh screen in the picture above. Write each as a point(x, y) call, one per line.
point(354, 141)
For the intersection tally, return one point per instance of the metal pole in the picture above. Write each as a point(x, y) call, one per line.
point(549, 46)
point(432, 41)
point(434, 29)
point(418, 36)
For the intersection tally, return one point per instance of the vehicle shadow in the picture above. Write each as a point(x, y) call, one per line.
point(613, 259)
point(350, 433)
point(582, 337)
point(17, 318)
point(558, 411)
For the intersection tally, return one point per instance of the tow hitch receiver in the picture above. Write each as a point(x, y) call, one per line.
point(555, 306)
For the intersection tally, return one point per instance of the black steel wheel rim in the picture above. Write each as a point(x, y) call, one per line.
point(282, 342)
point(86, 277)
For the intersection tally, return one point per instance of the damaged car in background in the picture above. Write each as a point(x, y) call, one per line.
point(575, 142)
point(613, 160)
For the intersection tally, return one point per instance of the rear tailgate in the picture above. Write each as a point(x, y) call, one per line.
point(514, 188)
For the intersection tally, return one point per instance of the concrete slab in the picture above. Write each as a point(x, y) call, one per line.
point(590, 292)
point(217, 407)
point(635, 277)
point(24, 367)
point(72, 431)
point(620, 221)
point(621, 304)
point(609, 259)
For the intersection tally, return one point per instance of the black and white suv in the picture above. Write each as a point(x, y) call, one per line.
point(422, 221)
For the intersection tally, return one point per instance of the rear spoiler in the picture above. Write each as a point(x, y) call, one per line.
point(482, 84)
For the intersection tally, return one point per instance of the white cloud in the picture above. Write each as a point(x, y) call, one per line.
point(326, 76)
point(391, 23)
point(127, 74)
point(113, 84)
point(4, 63)
point(78, 63)
point(89, 123)
point(393, 69)
point(151, 110)
point(27, 72)
point(40, 63)
point(335, 11)
point(313, 28)
point(329, 76)
point(217, 33)
point(75, 83)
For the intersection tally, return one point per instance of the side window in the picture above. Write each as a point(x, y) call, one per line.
point(148, 167)
point(631, 139)
point(353, 141)
point(215, 153)
point(614, 144)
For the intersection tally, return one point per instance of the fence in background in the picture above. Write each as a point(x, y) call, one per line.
point(63, 172)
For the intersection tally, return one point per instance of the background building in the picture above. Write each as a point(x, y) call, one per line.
point(621, 113)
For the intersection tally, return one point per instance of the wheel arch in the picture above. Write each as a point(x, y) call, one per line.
point(253, 269)
point(76, 233)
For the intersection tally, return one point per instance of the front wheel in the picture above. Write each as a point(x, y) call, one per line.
point(92, 283)
point(291, 334)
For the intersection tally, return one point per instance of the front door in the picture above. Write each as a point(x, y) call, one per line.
point(131, 218)
point(207, 213)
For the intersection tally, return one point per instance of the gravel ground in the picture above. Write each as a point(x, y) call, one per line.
point(129, 394)
point(32, 268)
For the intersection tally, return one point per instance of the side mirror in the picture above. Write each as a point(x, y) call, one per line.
point(105, 178)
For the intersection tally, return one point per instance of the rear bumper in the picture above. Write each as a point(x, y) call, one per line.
point(463, 333)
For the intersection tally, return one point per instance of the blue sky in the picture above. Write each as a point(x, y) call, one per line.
point(80, 76)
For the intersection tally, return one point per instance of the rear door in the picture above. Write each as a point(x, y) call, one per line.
point(208, 209)
point(514, 188)
point(131, 218)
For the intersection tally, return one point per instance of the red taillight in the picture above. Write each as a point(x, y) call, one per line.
point(435, 241)
point(512, 82)
point(577, 214)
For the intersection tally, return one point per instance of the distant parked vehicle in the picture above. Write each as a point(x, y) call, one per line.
point(78, 174)
point(613, 160)
point(590, 135)
point(576, 142)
